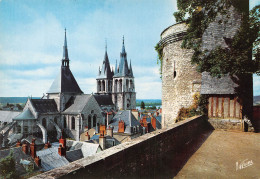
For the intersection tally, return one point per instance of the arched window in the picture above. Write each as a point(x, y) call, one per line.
point(89, 122)
point(115, 86)
point(127, 85)
point(72, 123)
point(44, 123)
point(56, 120)
point(64, 122)
point(103, 86)
point(99, 86)
point(94, 120)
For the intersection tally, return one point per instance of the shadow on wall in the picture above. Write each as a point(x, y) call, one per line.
point(173, 161)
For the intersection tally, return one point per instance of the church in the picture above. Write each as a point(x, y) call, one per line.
point(66, 108)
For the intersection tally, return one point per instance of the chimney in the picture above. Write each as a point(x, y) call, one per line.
point(62, 150)
point(18, 144)
point(62, 141)
point(102, 128)
point(110, 131)
point(102, 141)
point(121, 126)
point(25, 148)
point(87, 136)
point(47, 145)
point(144, 119)
point(33, 148)
point(153, 121)
point(38, 161)
point(157, 113)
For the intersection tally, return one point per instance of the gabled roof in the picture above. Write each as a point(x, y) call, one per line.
point(44, 105)
point(26, 114)
point(104, 100)
point(78, 104)
point(65, 82)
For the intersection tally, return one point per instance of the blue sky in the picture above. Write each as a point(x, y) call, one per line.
point(32, 34)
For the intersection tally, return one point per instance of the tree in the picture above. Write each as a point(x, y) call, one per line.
point(142, 105)
point(237, 57)
point(7, 167)
point(19, 106)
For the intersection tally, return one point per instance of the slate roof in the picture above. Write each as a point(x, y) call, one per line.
point(18, 154)
point(123, 69)
point(128, 119)
point(65, 82)
point(44, 105)
point(74, 155)
point(7, 116)
point(104, 100)
point(214, 85)
point(87, 149)
point(38, 141)
point(26, 114)
point(78, 104)
point(51, 159)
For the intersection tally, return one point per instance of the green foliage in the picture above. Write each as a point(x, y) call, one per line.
point(19, 106)
point(193, 110)
point(159, 50)
point(203, 103)
point(152, 107)
point(142, 105)
point(7, 167)
point(236, 58)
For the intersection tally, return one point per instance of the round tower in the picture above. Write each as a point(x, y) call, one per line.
point(180, 80)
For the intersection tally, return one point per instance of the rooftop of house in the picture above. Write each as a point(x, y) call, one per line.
point(7, 116)
point(214, 85)
point(77, 104)
point(25, 115)
point(51, 159)
point(104, 100)
point(44, 105)
point(19, 156)
point(127, 117)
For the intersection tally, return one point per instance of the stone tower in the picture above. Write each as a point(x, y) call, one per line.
point(230, 98)
point(65, 85)
point(180, 81)
point(105, 77)
point(123, 91)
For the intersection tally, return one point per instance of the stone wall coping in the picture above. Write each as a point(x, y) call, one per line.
point(82, 163)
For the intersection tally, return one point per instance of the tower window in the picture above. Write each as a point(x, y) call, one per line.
point(73, 123)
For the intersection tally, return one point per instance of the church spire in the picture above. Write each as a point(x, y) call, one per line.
point(65, 59)
point(123, 46)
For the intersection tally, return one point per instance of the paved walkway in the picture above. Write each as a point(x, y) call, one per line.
point(221, 155)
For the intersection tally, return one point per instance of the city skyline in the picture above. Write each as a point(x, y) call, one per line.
point(32, 34)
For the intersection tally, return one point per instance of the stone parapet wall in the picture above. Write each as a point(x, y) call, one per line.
point(139, 158)
point(180, 80)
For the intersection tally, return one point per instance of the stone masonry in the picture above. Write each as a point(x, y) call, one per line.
point(180, 81)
